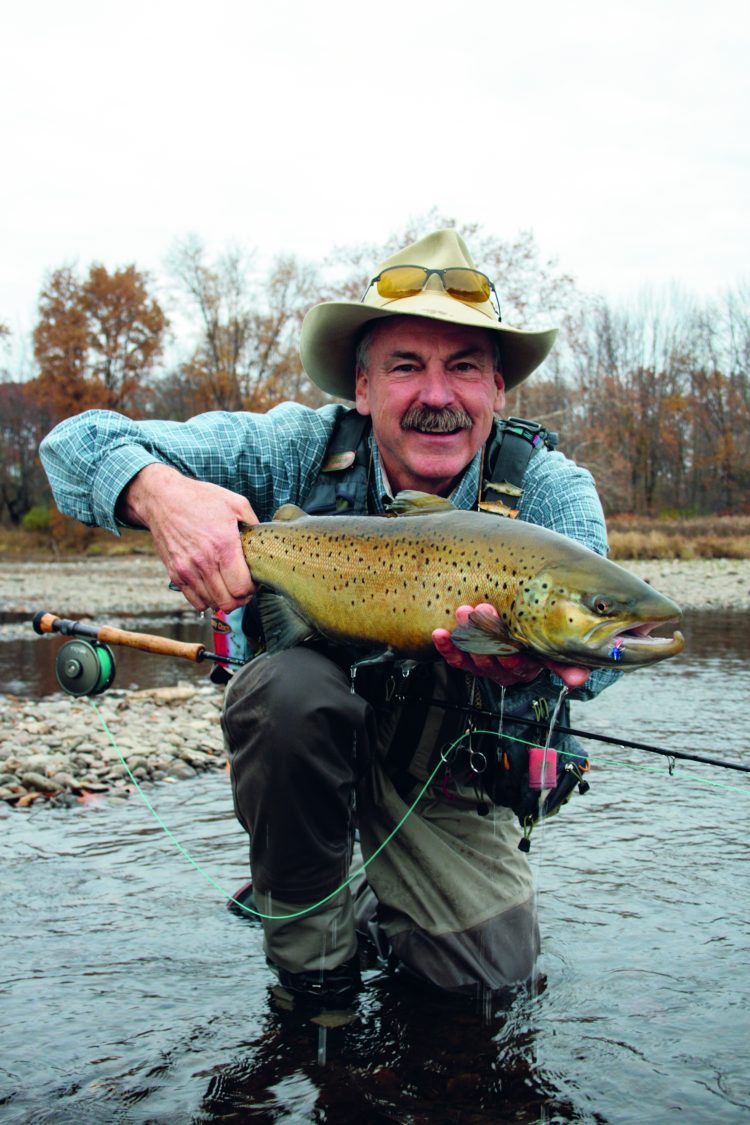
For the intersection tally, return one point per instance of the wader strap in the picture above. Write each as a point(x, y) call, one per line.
point(507, 454)
point(341, 485)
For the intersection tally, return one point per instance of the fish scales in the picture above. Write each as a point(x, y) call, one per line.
point(370, 581)
point(384, 582)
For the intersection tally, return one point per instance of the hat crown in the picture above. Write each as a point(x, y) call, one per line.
point(442, 249)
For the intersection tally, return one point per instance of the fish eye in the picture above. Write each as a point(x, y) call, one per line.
point(600, 604)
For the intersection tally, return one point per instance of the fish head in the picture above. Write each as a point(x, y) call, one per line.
point(596, 614)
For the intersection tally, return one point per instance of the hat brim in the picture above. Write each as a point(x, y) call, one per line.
point(330, 334)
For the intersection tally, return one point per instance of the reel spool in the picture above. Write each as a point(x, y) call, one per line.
point(85, 667)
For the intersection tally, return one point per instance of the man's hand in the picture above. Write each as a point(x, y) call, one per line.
point(194, 527)
point(519, 668)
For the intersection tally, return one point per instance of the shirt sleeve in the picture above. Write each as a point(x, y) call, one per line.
point(561, 495)
point(269, 458)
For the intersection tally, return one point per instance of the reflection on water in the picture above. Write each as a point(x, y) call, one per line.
point(129, 994)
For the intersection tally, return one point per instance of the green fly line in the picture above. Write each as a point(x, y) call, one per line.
point(442, 759)
point(206, 875)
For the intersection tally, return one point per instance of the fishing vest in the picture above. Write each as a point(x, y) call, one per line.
point(417, 732)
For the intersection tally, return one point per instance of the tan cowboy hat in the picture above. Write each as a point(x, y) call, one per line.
point(331, 331)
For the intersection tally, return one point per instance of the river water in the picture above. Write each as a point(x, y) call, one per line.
point(130, 994)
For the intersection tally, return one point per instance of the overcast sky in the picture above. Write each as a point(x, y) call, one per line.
point(617, 132)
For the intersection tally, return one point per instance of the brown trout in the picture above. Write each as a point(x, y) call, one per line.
point(384, 583)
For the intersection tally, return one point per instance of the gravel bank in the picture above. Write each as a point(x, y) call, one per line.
point(698, 583)
point(55, 749)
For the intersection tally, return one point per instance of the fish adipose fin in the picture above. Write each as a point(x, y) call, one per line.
point(412, 503)
point(283, 627)
point(485, 635)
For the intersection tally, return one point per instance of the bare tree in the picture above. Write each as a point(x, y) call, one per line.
point(245, 356)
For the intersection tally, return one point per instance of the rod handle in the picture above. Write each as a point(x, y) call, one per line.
point(147, 642)
point(44, 622)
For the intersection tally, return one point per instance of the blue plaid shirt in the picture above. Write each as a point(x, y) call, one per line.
point(274, 459)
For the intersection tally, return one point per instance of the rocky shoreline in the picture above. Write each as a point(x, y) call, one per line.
point(66, 751)
point(55, 750)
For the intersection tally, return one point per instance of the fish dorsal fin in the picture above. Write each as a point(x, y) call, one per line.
point(288, 512)
point(412, 503)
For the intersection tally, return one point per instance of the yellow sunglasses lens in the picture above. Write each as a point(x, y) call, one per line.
point(407, 281)
point(466, 285)
point(402, 281)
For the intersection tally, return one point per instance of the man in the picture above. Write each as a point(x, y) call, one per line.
point(314, 747)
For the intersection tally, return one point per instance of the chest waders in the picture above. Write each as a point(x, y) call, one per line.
point(417, 706)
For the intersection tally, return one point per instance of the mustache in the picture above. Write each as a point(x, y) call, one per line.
point(430, 421)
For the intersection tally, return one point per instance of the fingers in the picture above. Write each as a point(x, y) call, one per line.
point(212, 593)
point(572, 675)
point(503, 670)
point(219, 582)
point(520, 667)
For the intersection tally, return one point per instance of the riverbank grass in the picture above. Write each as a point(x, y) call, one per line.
point(700, 537)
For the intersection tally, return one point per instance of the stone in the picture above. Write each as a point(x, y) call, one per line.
point(39, 781)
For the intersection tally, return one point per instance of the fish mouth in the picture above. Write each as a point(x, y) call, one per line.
point(635, 643)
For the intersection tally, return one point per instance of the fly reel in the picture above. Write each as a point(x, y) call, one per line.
point(85, 667)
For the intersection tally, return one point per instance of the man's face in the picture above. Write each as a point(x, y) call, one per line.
point(431, 389)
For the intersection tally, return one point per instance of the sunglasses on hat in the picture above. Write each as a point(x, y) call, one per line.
point(467, 285)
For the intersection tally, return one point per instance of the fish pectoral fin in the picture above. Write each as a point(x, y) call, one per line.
point(484, 635)
point(283, 626)
point(412, 503)
point(288, 512)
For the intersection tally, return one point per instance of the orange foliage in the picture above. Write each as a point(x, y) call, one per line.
point(95, 341)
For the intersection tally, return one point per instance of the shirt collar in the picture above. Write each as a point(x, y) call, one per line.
point(464, 495)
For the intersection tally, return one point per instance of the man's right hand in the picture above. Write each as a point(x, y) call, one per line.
point(194, 527)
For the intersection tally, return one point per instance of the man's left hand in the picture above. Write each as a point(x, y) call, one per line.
point(519, 668)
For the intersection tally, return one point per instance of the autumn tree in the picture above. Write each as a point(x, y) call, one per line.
point(96, 341)
point(720, 388)
point(631, 401)
point(23, 423)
